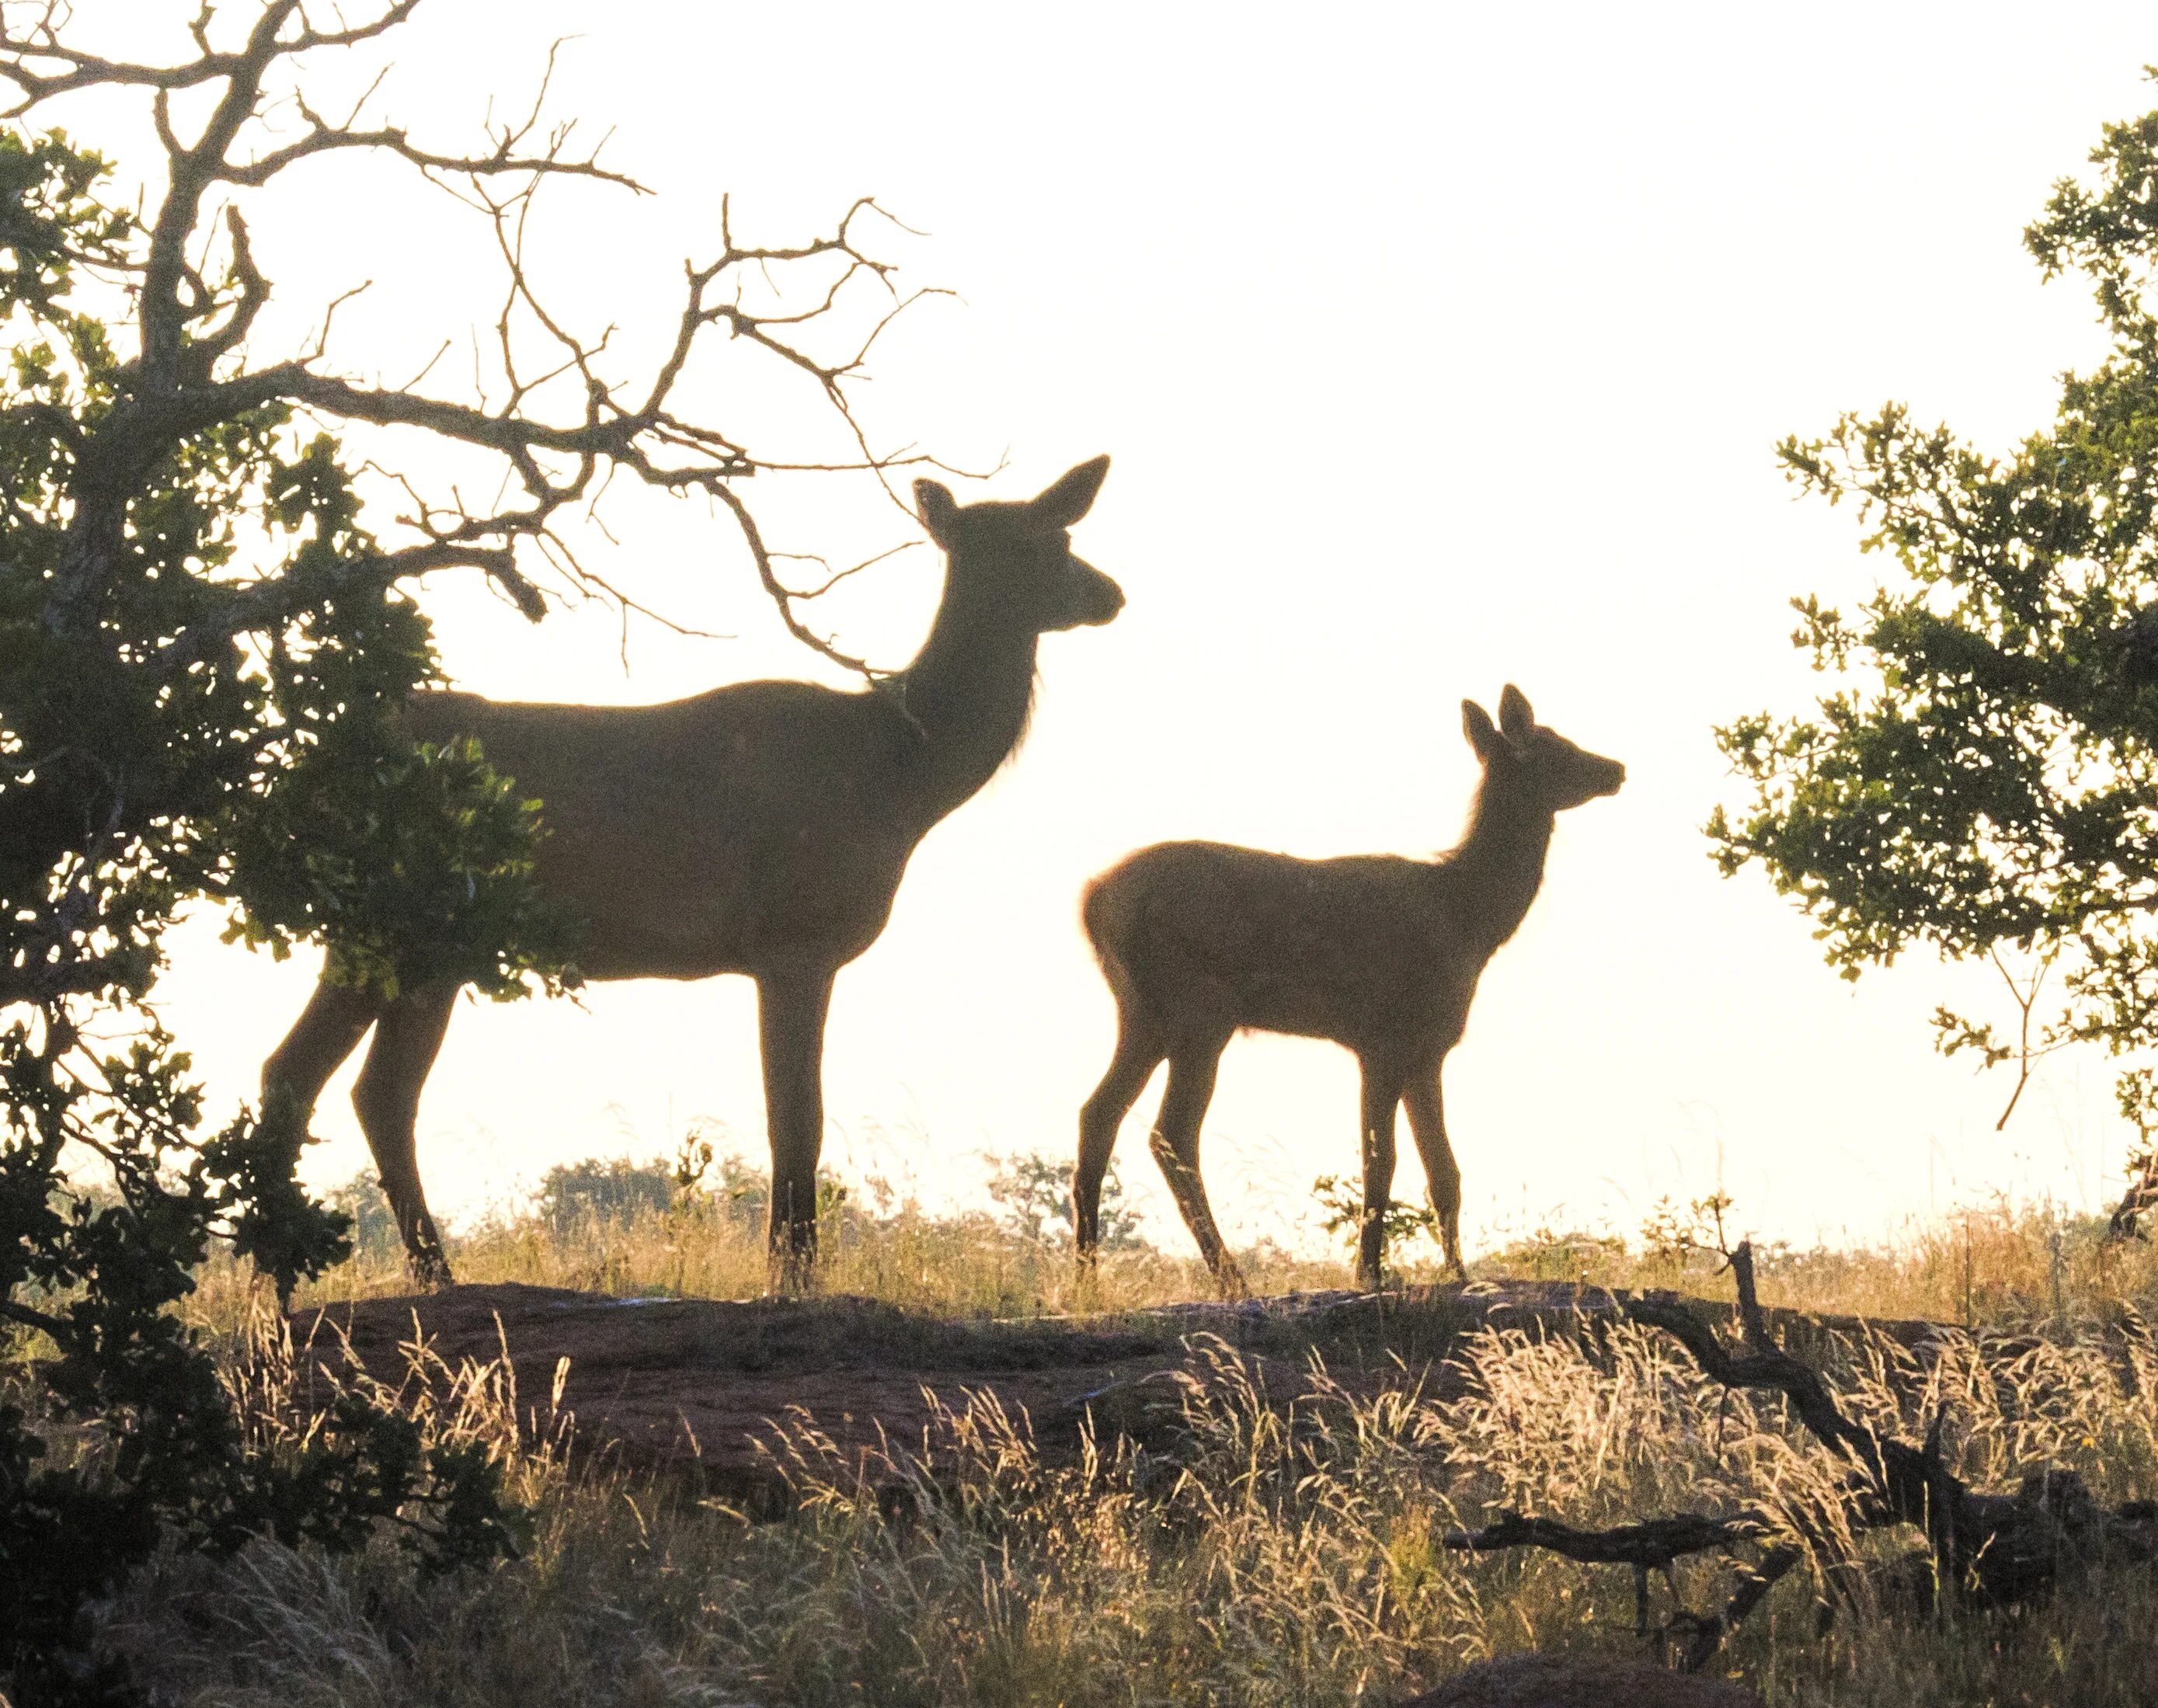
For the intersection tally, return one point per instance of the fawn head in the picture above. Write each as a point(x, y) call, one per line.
point(1019, 555)
point(1539, 762)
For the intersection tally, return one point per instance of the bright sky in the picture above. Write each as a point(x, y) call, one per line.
point(1437, 346)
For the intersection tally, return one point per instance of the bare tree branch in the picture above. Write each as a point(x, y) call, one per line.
point(22, 47)
point(1895, 1470)
point(29, 1318)
point(269, 603)
point(194, 332)
point(1655, 1543)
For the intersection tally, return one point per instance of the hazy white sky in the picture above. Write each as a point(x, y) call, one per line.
point(1437, 346)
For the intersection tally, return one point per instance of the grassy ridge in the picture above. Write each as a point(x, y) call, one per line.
point(1266, 1562)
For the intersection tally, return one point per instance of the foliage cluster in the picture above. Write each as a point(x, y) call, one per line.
point(205, 645)
point(263, 771)
point(1342, 1199)
point(1032, 1191)
point(1983, 781)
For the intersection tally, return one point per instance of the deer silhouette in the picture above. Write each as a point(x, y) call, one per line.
point(761, 828)
point(1199, 940)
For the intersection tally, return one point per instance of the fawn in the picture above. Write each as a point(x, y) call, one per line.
point(1200, 939)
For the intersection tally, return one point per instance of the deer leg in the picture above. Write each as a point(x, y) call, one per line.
point(791, 1006)
point(1381, 1093)
point(387, 1098)
point(329, 1028)
point(1138, 1055)
point(1174, 1142)
point(1423, 1102)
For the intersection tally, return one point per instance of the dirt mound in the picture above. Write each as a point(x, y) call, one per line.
point(698, 1384)
point(700, 1380)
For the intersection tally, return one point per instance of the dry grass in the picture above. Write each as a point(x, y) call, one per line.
point(1269, 1560)
point(2001, 1267)
point(965, 1266)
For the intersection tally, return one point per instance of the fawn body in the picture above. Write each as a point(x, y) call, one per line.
point(761, 828)
point(1200, 940)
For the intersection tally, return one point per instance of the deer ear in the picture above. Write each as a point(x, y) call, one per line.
point(1476, 725)
point(934, 504)
point(1072, 496)
point(1516, 716)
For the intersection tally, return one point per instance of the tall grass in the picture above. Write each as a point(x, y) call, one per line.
point(1262, 1557)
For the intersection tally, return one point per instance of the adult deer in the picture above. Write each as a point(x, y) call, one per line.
point(759, 829)
point(1199, 940)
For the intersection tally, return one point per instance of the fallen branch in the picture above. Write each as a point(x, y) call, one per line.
point(1999, 1549)
point(1653, 1544)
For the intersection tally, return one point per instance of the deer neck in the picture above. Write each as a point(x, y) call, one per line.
point(1498, 864)
point(968, 692)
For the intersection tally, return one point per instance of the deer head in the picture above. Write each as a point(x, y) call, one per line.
point(1533, 761)
point(1019, 555)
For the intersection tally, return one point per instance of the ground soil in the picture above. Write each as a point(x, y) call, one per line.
point(701, 1386)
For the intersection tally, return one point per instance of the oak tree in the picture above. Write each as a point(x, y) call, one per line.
point(1983, 778)
point(206, 627)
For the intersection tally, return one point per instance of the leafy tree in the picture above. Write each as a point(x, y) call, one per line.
point(1983, 779)
point(1343, 1200)
point(601, 1191)
point(1032, 1192)
point(204, 640)
point(372, 1226)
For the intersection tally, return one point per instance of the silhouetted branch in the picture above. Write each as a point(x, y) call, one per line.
point(2005, 1549)
point(1704, 1634)
point(271, 602)
point(1655, 1543)
point(777, 591)
point(37, 40)
point(28, 1317)
point(196, 307)
point(1894, 1470)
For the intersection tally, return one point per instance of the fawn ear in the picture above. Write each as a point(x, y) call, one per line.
point(1516, 716)
point(1072, 496)
point(934, 504)
point(1476, 725)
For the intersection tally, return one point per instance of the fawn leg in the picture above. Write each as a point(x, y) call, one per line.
point(1426, 1112)
point(386, 1097)
point(1381, 1093)
point(791, 1006)
point(1174, 1142)
point(1136, 1056)
point(335, 1020)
